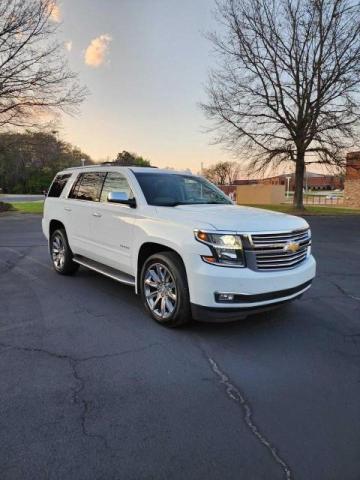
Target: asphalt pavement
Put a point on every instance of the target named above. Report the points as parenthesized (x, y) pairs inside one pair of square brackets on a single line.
[(92, 388)]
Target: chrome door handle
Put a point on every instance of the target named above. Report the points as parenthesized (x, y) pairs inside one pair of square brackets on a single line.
[(68, 209), (96, 214)]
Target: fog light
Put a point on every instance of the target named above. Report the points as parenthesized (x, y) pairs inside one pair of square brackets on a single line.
[(225, 297)]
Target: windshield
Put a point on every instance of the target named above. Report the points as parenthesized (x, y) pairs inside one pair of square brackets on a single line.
[(170, 190)]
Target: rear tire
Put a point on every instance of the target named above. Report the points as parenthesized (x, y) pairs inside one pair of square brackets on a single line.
[(61, 254), (164, 289)]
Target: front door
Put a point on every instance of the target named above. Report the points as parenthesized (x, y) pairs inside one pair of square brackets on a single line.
[(112, 225)]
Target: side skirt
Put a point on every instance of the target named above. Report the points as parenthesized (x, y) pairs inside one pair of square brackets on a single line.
[(105, 270)]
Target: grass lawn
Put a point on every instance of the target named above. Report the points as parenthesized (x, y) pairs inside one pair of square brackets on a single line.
[(310, 210), (28, 207)]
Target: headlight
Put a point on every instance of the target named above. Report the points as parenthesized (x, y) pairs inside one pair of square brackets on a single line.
[(226, 248)]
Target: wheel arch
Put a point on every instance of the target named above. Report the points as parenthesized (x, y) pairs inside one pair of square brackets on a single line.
[(145, 251), (55, 225)]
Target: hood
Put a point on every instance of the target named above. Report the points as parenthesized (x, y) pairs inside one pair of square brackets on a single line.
[(232, 217)]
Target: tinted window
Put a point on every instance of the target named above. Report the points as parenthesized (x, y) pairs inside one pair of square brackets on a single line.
[(58, 185), (174, 189), (75, 187), (115, 182), (88, 186)]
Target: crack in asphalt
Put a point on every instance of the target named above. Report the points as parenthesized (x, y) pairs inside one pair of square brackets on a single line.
[(237, 396), (326, 274), (85, 404), (10, 265), (25, 255), (77, 391), (339, 288), (344, 292)]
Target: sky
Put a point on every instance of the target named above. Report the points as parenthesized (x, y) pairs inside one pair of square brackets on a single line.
[(145, 63)]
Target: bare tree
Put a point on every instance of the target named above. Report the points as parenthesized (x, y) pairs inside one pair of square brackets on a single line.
[(287, 85), (35, 82), (222, 173)]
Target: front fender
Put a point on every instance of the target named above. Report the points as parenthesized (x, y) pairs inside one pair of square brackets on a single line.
[(177, 237)]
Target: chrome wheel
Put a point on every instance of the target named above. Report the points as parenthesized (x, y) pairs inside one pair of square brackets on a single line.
[(160, 290), (58, 252)]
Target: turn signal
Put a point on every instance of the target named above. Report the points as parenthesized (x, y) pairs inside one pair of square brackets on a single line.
[(208, 259), (202, 236)]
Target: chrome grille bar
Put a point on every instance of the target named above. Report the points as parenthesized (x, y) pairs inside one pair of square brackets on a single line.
[(298, 238), (270, 249), (280, 258)]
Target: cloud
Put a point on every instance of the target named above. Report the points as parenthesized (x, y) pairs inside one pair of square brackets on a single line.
[(54, 11), (95, 54), (68, 45)]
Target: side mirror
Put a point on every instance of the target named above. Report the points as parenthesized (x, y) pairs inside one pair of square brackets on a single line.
[(121, 197)]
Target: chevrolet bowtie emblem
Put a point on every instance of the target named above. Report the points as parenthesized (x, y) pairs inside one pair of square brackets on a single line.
[(292, 247)]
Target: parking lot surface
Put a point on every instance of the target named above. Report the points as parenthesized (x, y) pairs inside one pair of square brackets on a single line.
[(92, 388)]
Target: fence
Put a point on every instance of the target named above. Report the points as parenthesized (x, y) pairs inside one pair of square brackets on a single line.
[(324, 199)]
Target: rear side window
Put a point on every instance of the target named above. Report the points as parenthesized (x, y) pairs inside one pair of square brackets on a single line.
[(88, 186), (58, 185)]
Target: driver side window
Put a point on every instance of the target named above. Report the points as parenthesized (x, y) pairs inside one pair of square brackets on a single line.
[(115, 182)]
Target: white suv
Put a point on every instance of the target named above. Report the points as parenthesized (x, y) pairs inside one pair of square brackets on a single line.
[(178, 240)]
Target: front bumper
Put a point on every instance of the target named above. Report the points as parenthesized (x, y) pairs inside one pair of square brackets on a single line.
[(219, 314), (254, 290)]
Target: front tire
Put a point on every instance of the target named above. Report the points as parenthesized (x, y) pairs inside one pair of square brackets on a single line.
[(61, 254), (164, 289)]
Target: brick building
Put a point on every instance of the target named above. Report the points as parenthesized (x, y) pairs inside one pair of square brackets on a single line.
[(312, 181), (352, 180)]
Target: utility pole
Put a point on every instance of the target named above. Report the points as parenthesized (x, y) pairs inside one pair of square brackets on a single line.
[(288, 187)]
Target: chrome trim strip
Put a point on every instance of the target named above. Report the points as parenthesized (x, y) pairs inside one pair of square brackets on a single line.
[(265, 232)]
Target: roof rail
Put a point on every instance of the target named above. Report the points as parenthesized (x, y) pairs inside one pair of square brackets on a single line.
[(108, 164), (77, 167)]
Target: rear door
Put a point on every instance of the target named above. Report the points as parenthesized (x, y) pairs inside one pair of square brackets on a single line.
[(84, 194), (112, 225)]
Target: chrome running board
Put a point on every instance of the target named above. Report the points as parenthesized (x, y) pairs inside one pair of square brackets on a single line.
[(105, 270)]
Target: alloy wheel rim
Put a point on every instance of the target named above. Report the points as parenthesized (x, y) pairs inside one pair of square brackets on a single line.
[(58, 252), (160, 290)]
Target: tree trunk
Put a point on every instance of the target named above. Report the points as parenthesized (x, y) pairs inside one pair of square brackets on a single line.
[(299, 181)]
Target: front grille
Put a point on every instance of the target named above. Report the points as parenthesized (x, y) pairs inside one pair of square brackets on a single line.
[(272, 253)]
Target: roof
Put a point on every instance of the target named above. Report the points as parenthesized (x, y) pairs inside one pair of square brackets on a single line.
[(159, 170)]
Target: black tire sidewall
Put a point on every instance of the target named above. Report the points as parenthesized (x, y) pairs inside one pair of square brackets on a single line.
[(69, 266), (181, 314)]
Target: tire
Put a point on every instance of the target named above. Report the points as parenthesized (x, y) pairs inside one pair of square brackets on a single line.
[(164, 289), (61, 254)]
